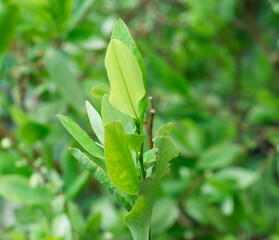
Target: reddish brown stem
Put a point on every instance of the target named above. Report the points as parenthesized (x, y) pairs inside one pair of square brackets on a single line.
[(149, 125)]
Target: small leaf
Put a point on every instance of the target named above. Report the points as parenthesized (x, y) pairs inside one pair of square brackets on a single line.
[(167, 151), (165, 129), (60, 72), (16, 188), (126, 80), (122, 33), (119, 162), (110, 113), (124, 199), (135, 141), (138, 220), (81, 136), (95, 121), (99, 90), (150, 156)]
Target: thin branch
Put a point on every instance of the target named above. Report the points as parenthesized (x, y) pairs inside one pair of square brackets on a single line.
[(149, 125)]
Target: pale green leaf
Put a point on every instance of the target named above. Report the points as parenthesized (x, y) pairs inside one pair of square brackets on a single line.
[(110, 113), (135, 141), (119, 162), (167, 151), (99, 90), (16, 188), (165, 129), (122, 33), (81, 136), (98, 172), (138, 220), (95, 121), (126, 80), (59, 70)]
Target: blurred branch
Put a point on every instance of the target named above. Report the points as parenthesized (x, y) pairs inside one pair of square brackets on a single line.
[(250, 26), (135, 10)]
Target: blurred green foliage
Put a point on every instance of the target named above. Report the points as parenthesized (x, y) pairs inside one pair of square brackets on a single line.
[(212, 67)]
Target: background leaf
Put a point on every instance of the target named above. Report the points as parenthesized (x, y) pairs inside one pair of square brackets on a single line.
[(59, 70), (16, 188), (8, 21)]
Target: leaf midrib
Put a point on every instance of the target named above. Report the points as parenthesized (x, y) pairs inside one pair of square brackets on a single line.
[(125, 84)]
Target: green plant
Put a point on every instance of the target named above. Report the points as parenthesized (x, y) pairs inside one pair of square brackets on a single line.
[(118, 160)]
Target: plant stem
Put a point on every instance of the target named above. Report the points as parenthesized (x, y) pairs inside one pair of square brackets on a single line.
[(149, 125), (143, 173)]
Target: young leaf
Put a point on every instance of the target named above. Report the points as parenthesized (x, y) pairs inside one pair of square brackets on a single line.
[(124, 199), (167, 151), (135, 141), (95, 121), (119, 162), (110, 113), (81, 136), (122, 33), (127, 87), (165, 129), (138, 220)]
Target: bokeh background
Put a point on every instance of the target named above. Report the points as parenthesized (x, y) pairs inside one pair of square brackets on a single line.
[(212, 69)]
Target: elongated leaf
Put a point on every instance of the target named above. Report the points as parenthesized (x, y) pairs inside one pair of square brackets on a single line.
[(60, 72), (8, 20), (138, 220), (124, 199), (95, 121), (127, 87), (167, 151), (165, 129), (99, 90), (81, 136), (122, 33), (135, 141), (110, 113), (16, 188), (119, 162)]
